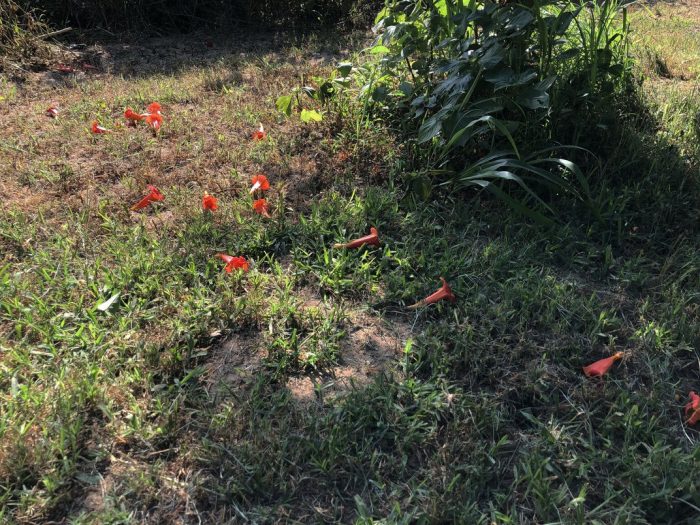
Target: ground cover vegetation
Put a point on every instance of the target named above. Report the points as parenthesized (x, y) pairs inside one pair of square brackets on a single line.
[(541, 157)]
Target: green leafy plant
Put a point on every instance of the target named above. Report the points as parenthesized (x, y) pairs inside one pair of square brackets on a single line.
[(467, 81), (323, 95)]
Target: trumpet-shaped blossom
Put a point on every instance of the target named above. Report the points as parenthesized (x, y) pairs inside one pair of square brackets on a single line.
[(692, 409), (445, 292), (153, 196), (52, 111), (132, 116), (154, 120), (97, 129), (154, 107), (262, 207), (234, 263), (209, 202), (601, 367), (260, 182), (259, 134), (372, 238)]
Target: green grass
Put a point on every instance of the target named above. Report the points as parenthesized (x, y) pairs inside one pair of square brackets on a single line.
[(178, 403)]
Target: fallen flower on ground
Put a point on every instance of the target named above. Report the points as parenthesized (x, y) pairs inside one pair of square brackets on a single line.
[(154, 120), (132, 116), (261, 206), (445, 292), (601, 367), (259, 182), (233, 263), (154, 108), (153, 196), (372, 238), (209, 202), (52, 111), (97, 129), (692, 409), (259, 134)]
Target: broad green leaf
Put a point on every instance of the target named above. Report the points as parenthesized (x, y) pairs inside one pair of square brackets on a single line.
[(311, 115), (284, 104), (379, 50), (430, 129), (505, 77), (519, 20), (344, 69), (534, 98)]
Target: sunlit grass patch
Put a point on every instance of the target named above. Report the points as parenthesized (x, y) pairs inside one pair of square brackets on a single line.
[(666, 39)]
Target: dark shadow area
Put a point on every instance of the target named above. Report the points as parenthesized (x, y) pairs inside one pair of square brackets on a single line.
[(184, 16), (133, 56)]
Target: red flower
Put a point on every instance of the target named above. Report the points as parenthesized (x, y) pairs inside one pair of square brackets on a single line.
[(52, 111), (233, 263), (259, 134), (154, 120), (153, 196), (260, 182), (97, 129), (132, 116), (692, 409), (443, 293), (261, 207), (601, 367), (154, 107), (209, 202), (372, 238)]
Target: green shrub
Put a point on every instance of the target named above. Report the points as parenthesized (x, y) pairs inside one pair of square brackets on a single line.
[(469, 85)]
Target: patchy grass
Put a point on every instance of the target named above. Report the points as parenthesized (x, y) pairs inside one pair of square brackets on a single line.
[(667, 39), (304, 391)]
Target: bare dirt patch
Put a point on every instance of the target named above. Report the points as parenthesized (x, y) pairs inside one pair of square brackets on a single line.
[(372, 347)]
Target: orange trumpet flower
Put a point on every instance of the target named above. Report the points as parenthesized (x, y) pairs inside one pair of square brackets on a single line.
[(260, 182), (52, 111), (154, 120), (445, 292), (209, 202), (154, 108), (692, 409), (259, 134), (153, 196), (132, 116), (233, 263), (601, 367), (261, 207), (372, 238), (99, 130)]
